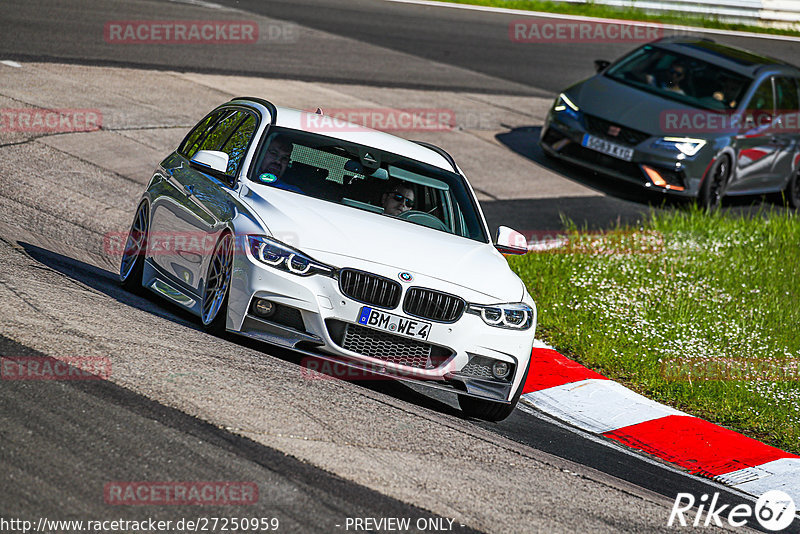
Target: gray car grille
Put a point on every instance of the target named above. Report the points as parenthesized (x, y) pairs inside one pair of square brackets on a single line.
[(433, 305), (601, 127), (387, 347), (370, 288)]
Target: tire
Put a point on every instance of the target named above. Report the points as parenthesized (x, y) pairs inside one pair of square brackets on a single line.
[(132, 263), (791, 194), (214, 311), (713, 187), (490, 410)]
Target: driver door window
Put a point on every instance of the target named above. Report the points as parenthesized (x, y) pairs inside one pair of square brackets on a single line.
[(761, 107)]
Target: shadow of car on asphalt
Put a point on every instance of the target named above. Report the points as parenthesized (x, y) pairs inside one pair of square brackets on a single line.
[(106, 282)]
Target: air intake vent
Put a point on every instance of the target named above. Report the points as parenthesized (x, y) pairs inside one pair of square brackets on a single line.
[(387, 347), (370, 288)]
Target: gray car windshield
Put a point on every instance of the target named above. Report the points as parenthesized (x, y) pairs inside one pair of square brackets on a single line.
[(686, 79), (368, 179)]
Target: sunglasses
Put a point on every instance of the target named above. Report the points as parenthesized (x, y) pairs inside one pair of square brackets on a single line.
[(397, 197)]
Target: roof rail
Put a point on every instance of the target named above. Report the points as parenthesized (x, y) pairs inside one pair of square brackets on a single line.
[(679, 38), (441, 152), (273, 111)]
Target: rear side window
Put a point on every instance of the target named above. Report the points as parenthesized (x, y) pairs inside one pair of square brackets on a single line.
[(236, 145), (228, 131), (786, 93), (762, 100), (192, 142)]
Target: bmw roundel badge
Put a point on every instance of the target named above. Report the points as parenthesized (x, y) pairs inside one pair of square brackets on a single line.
[(406, 277)]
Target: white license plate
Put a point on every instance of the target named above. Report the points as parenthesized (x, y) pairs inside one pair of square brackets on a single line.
[(607, 147), (394, 323)]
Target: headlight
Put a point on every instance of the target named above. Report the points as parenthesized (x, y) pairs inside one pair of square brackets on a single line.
[(276, 254), (563, 103), (514, 316), (684, 145)]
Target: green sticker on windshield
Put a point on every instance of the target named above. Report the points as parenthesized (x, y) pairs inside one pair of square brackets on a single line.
[(267, 177)]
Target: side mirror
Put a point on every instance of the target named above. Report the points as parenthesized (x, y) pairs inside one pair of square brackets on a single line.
[(601, 64), (510, 241), (211, 160)]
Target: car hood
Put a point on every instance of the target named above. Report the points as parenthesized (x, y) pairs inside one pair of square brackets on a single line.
[(347, 236), (622, 104)]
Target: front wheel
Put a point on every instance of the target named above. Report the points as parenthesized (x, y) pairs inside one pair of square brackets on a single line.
[(489, 410), (132, 263), (792, 191), (218, 280), (713, 187)]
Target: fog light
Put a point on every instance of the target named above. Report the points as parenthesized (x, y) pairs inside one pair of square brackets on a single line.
[(263, 307), (500, 369), (654, 176)]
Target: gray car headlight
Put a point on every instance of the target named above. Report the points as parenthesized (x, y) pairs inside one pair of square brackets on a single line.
[(281, 256), (514, 316), (565, 105), (685, 145)]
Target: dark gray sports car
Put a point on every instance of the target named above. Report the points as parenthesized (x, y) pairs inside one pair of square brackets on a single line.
[(685, 116)]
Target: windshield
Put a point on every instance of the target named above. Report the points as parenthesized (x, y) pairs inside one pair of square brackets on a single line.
[(682, 78), (368, 179)]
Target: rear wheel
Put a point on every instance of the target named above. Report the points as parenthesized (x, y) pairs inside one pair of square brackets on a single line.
[(792, 192), (218, 280), (132, 264), (490, 410), (713, 187)]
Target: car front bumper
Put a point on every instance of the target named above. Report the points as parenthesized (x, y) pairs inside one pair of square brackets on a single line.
[(562, 137), (314, 313)]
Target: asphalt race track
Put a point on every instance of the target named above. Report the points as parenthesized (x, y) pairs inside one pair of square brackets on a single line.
[(180, 405)]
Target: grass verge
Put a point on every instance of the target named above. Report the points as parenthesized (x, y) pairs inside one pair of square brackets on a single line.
[(698, 311), (590, 9)]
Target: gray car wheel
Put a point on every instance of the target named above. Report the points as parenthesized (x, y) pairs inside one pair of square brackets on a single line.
[(218, 279), (132, 263), (713, 187)]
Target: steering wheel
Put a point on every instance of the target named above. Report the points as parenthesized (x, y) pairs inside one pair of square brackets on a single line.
[(425, 219)]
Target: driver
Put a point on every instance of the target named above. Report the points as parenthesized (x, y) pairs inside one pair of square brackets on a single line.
[(398, 197), (276, 161), (277, 157)]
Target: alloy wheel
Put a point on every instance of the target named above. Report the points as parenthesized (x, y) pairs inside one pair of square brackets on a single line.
[(136, 244), (717, 183), (218, 279)]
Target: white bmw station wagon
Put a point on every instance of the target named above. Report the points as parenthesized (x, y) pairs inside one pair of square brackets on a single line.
[(346, 244)]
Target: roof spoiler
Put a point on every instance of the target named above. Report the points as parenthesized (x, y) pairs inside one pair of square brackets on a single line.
[(273, 111), (442, 153)]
